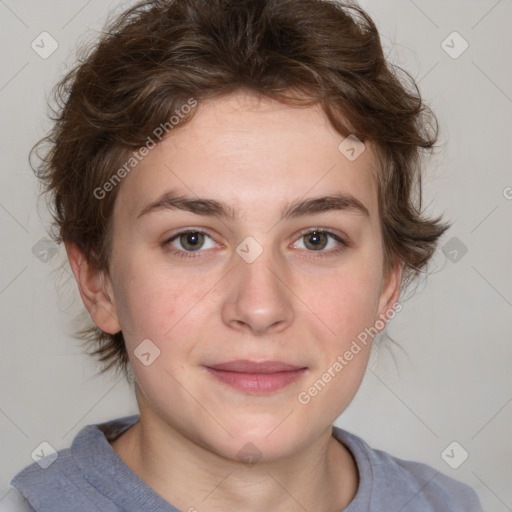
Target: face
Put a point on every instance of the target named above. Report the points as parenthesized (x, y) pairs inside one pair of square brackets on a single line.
[(248, 277)]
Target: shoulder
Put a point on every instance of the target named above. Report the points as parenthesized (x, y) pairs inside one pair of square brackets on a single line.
[(48, 482), (408, 485), (59, 481)]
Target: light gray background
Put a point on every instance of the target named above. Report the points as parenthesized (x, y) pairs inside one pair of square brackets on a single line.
[(454, 384)]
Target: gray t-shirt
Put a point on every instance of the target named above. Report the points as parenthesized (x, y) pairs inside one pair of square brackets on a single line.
[(90, 476)]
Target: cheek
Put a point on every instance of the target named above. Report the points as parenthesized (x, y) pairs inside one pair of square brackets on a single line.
[(348, 304), (348, 307), (158, 302), (346, 301)]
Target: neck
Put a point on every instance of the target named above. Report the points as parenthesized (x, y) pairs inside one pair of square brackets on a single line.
[(322, 476)]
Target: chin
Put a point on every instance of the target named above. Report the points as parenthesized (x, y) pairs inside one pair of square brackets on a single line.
[(264, 440)]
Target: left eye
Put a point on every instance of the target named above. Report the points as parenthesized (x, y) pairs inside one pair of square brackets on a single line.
[(317, 240)]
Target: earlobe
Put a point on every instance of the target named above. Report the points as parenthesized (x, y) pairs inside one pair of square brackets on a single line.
[(93, 286), (390, 293)]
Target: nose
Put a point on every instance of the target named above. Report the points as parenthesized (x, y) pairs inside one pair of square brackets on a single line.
[(258, 299)]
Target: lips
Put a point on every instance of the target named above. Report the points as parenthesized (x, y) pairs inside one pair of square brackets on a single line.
[(256, 378), (246, 366)]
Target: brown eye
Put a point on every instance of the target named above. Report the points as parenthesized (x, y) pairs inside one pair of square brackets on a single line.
[(191, 241), (185, 243), (324, 242), (316, 240)]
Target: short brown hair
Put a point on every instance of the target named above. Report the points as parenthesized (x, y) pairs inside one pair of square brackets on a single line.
[(158, 54)]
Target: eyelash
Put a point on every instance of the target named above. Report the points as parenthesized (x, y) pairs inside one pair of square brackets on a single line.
[(320, 254)]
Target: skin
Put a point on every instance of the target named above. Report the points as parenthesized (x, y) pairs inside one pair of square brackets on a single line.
[(290, 304)]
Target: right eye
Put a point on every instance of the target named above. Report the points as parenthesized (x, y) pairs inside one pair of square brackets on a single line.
[(188, 241)]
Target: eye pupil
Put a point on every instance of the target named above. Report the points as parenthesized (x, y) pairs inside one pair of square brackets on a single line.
[(316, 237), (192, 240)]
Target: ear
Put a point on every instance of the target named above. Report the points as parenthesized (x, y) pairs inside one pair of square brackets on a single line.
[(390, 293), (95, 289)]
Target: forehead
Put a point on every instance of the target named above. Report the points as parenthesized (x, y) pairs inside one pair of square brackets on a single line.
[(249, 151)]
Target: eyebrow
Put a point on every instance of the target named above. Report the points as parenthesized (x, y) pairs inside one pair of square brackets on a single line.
[(295, 209)]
